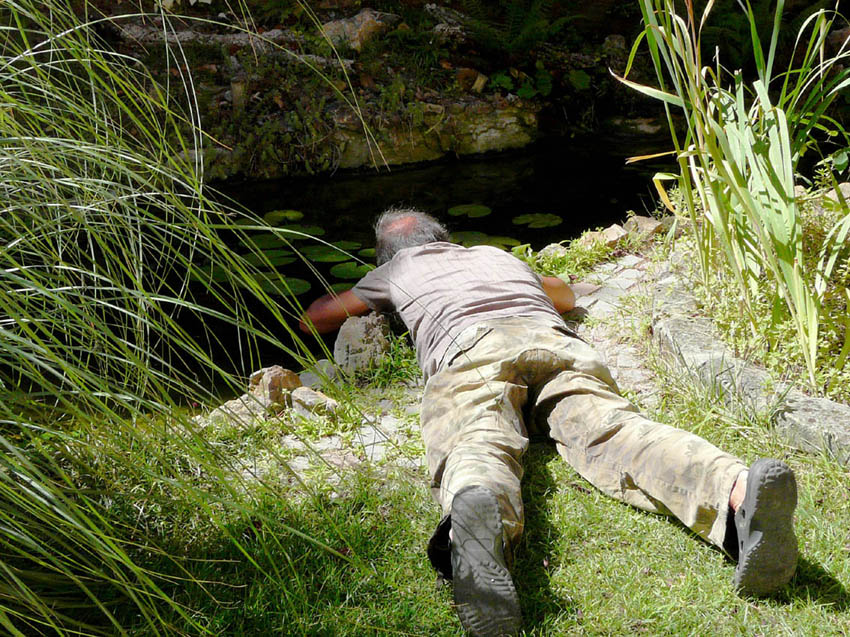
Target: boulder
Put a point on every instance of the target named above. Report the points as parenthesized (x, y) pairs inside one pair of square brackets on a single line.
[(611, 236), (317, 375), (271, 385), (308, 402), (242, 412), (643, 226), (362, 342), (359, 29), (832, 195)]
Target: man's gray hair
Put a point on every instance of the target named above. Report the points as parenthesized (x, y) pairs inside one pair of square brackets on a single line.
[(399, 228)]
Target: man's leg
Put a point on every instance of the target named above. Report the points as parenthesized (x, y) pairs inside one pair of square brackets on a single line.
[(667, 470), (474, 438)]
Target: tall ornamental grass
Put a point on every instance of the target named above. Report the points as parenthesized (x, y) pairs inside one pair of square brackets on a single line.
[(109, 321), (738, 144)]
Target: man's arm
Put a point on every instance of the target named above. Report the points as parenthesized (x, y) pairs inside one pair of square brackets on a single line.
[(328, 312), (560, 293)]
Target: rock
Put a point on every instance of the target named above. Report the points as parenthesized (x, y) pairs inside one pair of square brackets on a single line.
[(480, 83), (611, 236), (800, 192), (361, 343), (243, 411), (643, 226), (466, 78), (322, 372), (271, 385), (359, 29), (844, 188), (553, 251), (308, 402)]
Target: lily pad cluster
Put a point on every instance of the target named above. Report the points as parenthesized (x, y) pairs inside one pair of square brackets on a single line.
[(538, 220), (471, 210), (470, 238)]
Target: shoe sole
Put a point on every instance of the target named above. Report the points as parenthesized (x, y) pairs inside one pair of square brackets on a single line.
[(767, 546), (484, 594)]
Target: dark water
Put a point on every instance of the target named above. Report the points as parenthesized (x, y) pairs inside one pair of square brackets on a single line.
[(585, 182)]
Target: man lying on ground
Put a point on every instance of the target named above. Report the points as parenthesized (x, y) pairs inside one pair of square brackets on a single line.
[(501, 365)]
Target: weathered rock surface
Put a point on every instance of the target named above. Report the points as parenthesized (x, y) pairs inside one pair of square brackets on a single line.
[(362, 342), (324, 371), (610, 236), (309, 402), (272, 384), (359, 29), (643, 226), (467, 126)]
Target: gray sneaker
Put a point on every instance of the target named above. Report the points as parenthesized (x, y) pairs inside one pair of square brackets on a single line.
[(767, 546), (484, 593)]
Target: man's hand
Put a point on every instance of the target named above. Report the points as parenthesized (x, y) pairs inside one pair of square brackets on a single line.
[(328, 312), (560, 293)]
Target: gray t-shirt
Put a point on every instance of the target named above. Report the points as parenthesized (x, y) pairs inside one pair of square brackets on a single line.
[(440, 289)]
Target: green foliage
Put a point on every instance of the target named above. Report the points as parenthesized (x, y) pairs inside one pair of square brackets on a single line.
[(511, 28), (738, 159), (576, 260), (397, 367)]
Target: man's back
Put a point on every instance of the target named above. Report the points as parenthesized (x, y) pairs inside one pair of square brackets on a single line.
[(441, 288)]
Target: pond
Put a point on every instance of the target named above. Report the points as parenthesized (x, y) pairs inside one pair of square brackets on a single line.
[(550, 192)]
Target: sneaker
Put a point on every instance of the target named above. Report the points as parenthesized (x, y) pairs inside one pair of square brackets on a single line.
[(767, 546), (484, 594)]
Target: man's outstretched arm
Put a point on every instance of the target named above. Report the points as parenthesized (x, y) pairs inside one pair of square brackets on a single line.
[(328, 312), (560, 293)]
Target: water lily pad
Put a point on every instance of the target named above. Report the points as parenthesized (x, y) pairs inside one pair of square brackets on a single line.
[(276, 217), (265, 241), (270, 257), (471, 210), (500, 242), (322, 253), (470, 238), (296, 230), (368, 253), (271, 283), (538, 220), (350, 270), (347, 245), (342, 286)]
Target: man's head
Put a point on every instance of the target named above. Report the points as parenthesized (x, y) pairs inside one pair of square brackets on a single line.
[(399, 228)]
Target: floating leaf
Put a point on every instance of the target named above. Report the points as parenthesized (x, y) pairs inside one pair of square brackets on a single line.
[(350, 270), (471, 210), (324, 254), (347, 245), (468, 237), (472, 238), (270, 257), (342, 286), (312, 231), (579, 79), (538, 220), (276, 217), (265, 241), (271, 283), (368, 253), (500, 242)]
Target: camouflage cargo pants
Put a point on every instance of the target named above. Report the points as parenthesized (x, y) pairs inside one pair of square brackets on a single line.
[(475, 432)]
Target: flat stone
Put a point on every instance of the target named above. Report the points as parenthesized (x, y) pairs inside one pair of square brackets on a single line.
[(309, 402), (320, 374), (631, 261), (272, 384), (643, 226)]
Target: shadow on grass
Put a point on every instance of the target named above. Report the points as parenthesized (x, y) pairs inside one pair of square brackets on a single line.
[(813, 582), (531, 570)]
